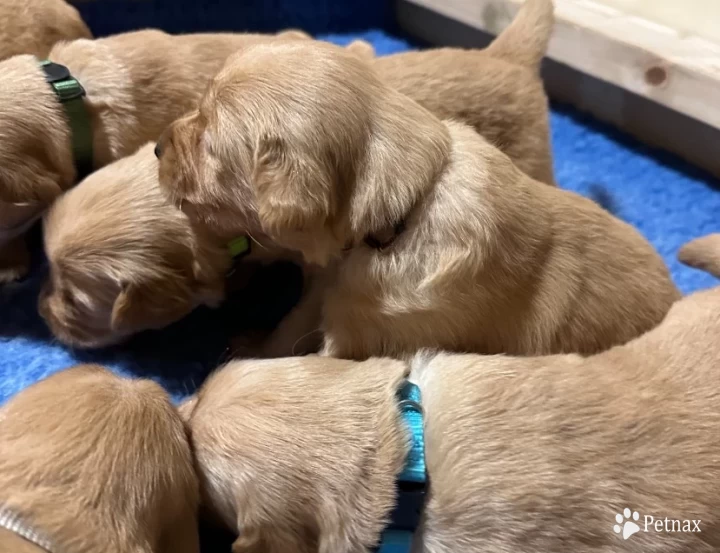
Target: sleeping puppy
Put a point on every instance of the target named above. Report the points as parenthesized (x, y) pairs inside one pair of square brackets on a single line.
[(135, 84), (523, 454), (94, 463), (432, 237), (122, 259), (35, 26)]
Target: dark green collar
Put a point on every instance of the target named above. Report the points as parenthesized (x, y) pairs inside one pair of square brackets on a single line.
[(239, 247), (71, 93)]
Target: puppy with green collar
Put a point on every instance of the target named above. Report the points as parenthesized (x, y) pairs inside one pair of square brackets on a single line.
[(93, 102)]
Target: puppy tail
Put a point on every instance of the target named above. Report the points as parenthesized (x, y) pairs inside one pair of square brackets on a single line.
[(702, 253), (525, 41)]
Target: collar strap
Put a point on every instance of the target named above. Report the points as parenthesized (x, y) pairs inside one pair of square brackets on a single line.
[(413, 481), (70, 93), (14, 523), (239, 247)]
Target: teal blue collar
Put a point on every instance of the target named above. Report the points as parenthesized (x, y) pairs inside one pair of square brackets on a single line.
[(412, 482)]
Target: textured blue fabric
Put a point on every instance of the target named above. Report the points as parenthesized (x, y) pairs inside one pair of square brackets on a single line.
[(667, 200)]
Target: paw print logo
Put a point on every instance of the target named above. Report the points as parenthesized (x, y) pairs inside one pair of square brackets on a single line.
[(625, 524)]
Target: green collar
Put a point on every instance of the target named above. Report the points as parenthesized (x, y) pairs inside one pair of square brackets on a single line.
[(239, 247), (71, 93)]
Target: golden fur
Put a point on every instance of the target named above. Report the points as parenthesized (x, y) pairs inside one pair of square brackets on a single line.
[(122, 259), (98, 464), (497, 90), (136, 83), (35, 26), (455, 83), (524, 454), (703, 253), (303, 146)]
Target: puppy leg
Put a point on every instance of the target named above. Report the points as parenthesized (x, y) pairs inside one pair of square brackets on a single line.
[(299, 332), (14, 260)]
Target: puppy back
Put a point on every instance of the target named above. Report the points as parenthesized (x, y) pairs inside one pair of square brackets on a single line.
[(111, 451)]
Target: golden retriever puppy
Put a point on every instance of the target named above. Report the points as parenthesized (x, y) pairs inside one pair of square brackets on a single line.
[(134, 85), (616, 452), (432, 236), (94, 463), (35, 26), (497, 91), (122, 259)]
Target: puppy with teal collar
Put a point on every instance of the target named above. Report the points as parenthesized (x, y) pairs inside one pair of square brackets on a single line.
[(470, 453)]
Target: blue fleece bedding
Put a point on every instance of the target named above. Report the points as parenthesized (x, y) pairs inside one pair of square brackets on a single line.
[(669, 201)]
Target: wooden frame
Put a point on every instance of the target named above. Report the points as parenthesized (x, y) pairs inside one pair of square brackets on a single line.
[(643, 77)]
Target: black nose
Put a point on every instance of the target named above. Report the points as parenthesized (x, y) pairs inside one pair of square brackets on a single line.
[(158, 150)]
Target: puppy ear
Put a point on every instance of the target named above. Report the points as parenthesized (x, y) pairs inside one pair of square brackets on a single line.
[(295, 195), (155, 304)]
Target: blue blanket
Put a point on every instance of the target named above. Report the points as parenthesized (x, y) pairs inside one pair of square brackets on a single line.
[(669, 201)]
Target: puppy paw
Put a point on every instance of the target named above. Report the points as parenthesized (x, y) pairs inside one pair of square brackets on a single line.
[(11, 274), (14, 261)]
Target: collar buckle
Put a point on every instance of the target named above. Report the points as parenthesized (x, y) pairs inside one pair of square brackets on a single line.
[(70, 93)]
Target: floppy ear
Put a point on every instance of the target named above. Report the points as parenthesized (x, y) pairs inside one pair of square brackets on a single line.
[(296, 199), (152, 304)]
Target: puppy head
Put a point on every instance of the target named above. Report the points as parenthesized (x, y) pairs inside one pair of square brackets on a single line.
[(300, 454), (122, 260), (112, 451), (300, 142)]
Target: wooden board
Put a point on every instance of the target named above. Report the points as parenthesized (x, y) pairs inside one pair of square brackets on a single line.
[(623, 69)]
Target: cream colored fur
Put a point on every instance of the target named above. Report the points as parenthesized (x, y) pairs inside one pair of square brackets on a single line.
[(524, 454), (35, 26), (301, 145), (136, 84), (98, 464), (122, 259)]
